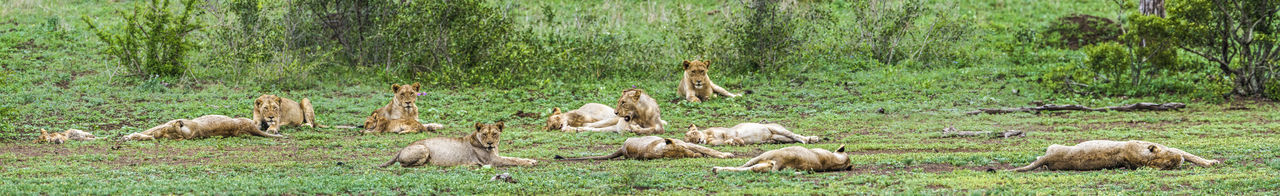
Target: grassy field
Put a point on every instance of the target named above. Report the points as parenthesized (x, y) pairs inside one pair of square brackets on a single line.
[(59, 80)]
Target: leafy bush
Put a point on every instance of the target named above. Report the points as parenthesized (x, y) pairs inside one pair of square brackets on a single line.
[(894, 31), (764, 35), (254, 43), (1080, 30), (152, 40)]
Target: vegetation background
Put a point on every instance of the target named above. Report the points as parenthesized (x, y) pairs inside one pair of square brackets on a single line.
[(818, 67)]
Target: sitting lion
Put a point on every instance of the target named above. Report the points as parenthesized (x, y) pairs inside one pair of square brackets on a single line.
[(795, 157), (61, 137), (478, 148), (202, 127), (271, 112), (746, 133), (696, 86), (636, 111), (654, 147), (1106, 154), (591, 112), (375, 124)]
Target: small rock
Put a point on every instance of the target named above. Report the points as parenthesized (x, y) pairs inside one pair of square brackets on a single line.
[(881, 110), (505, 177)]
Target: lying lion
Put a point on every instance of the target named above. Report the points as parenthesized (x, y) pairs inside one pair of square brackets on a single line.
[(271, 112), (61, 137), (636, 111), (654, 147), (746, 133), (1105, 154), (202, 127), (478, 148), (795, 157), (375, 124), (696, 86), (591, 112)]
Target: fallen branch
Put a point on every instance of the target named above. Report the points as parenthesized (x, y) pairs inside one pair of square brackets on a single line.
[(953, 132), (1052, 107)]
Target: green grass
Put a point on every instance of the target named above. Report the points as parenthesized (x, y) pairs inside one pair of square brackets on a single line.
[(61, 80)]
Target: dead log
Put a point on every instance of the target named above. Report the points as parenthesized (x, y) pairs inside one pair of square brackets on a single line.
[(953, 132), (1052, 107)]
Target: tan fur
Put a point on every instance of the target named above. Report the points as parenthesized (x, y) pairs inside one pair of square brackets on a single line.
[(589, 113), (1105, 154), (745, 133), (375, 124), (636, 111), (696, 86), (795, 157), (478, 148), (654, 147), (61, 137), (202, 127), (400, 115), (271, 112)]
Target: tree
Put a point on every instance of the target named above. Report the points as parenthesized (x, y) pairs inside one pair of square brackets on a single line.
[(1238, 36)]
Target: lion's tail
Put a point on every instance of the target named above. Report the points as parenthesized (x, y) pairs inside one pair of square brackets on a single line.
[(391, 162), (615, 154)]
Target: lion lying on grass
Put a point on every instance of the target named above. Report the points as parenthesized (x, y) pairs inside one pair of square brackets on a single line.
[(636, 111), (375, 124), (478, 148), (696, 86), (1105, 154), (400, 115), (202, 127), (61, 137), (795, 157), (271, 112), (591, 112), (654, 147), (746, 133)]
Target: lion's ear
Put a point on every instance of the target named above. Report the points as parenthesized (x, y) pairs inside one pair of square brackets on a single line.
[(499, 124), (179, 123), (257, 103), (277, 99), (555, 111), (43, 132), (478, 126), (841, 149), (416, 86), (395, 87), (685, 64), (668, 140), (1152, 148)]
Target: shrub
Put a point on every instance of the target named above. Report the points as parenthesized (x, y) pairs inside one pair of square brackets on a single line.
[(253, 43), (153, 40), (1080, 30), (764, 35), (894, 31)]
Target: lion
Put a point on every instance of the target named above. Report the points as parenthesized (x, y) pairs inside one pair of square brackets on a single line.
[(695, 86), (795, 157), (636, 111), (591, 112), (403, 103), (746, 133), (1106, 154), (202, 127), (654, 147), (375, 124), (61, 137), (272, 111), (478, 148)]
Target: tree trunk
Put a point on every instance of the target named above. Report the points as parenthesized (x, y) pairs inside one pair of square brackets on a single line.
[(1151, 7)]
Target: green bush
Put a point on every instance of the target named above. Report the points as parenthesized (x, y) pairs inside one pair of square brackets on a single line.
[(895, 31), (253, 43), (1080, 30), (153, 40), (1108, 59), (764, 36)]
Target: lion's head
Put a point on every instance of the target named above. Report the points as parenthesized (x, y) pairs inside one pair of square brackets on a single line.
[(406, 96), (555, 120), (695, 136), (55, 137), (486, 135), (674, 149), (629, 103), (840, 159), (373, 121), (696, 72), (267, 111), (1162, 158)]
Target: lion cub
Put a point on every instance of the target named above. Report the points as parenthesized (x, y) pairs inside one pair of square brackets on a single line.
[(636, 112), (696, 86), (591, 112), (654, 147), (202, 127), (271, 112), (61, 137), (795, 157), (375, 124), (746, 133), (478, 148), (1106, 154)]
